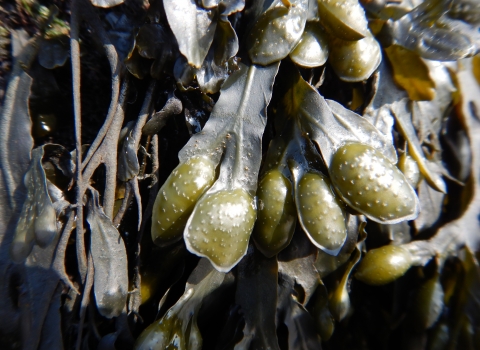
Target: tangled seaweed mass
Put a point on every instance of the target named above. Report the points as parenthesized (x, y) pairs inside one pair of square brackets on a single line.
[(325, 193)]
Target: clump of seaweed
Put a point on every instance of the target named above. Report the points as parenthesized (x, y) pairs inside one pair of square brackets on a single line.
[(326, 185)]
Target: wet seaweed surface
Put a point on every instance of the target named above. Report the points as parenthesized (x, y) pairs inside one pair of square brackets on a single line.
[(272, 174)]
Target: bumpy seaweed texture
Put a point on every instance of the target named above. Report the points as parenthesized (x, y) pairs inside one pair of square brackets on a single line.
[(277, 158)]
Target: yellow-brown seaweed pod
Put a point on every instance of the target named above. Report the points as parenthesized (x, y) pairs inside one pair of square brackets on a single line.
[(384, 265), (177, 197), (344, 18), (320, 213), (312, 49), (276, 215), (176, 330), (369, 183), (220, 227), (354, 61), (276, 32), (409, 167)]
